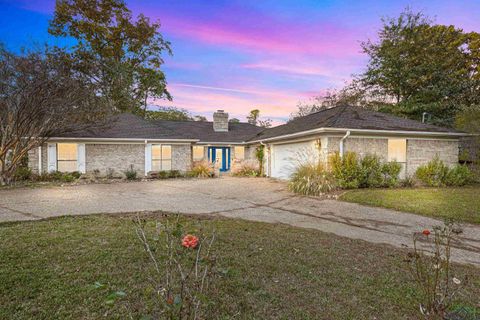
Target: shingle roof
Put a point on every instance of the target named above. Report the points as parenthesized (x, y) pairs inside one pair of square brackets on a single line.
[(129, 126), (203, 130), (348, 117)]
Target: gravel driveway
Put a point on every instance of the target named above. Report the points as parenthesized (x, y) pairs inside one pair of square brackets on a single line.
[(246, 198)]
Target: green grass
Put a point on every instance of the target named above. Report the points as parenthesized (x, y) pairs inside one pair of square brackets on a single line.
[(460, 204), (48, 269)]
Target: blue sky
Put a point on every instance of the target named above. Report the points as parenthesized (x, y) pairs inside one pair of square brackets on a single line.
[(240, 55)]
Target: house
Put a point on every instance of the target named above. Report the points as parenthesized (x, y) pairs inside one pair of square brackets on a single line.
[(175, 145)]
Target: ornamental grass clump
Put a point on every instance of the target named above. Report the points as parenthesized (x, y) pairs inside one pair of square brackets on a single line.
[(183, 269), (431, 269), (202, 169), (311, 179), (247, 169)]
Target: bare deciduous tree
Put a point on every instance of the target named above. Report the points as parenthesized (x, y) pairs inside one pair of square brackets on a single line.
[(40, 97)]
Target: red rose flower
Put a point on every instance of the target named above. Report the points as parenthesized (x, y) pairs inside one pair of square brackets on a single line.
[(426, 232), (190, 241)]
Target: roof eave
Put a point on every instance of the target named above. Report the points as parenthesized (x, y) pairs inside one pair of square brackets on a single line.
[(334, 130), (123, 139)]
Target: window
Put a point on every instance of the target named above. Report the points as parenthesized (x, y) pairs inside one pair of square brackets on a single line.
[(198, 152), (239, 153), (67, 157), (397, 150), (161, 157)]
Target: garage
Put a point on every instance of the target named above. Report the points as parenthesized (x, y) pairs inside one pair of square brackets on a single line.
[(285, 158)]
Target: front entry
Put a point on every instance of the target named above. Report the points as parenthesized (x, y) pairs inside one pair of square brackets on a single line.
[(221, 155)]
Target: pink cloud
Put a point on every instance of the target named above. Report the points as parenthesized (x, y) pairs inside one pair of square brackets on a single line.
[(300, 39), (205, 100)]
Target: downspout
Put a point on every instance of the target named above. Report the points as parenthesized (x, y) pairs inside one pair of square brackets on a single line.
[(341, 143)]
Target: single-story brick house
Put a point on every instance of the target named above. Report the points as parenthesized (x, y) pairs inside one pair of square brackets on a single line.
[(175, 145)]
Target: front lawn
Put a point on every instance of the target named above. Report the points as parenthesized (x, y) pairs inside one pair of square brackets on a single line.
[(48, 270), (460, 204)]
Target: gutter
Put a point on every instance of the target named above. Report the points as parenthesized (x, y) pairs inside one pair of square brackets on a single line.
[(334, 130), (124, 139)]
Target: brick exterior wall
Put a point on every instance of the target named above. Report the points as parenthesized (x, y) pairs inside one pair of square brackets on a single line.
[(420, 152), (250, 152), (117, 157), (182, 157), (364, 146), (361, 146), (33, 159)]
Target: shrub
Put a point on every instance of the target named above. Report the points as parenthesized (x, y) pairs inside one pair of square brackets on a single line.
[(202, 169), (175, 174), (458, 176), (247, 169), (390, 171), (67, 177), (437, 174), (346, 170), (22, 173), (163, 175), (408, 182), (371, 173), (75, 174), (312, 180), (130, 173), (433, 174)]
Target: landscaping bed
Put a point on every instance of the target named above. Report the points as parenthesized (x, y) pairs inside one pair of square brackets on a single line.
[(460, 204), (53, 268)]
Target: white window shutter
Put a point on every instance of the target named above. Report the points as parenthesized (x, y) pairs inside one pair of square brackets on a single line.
[(148, 158), (52, 157), (81, 158)]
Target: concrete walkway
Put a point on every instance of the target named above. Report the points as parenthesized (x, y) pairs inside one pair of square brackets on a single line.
[(252, 199)]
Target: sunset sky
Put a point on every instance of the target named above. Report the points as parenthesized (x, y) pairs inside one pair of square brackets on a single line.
[(240, 55)]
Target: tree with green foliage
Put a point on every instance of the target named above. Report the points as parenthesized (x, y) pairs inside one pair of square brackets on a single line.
[(169, 113), (423, 67), (122, 55), (234, 120), (200, 118), (254, 118)]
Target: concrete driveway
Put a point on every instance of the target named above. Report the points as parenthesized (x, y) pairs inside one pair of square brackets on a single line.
[(245, 198)]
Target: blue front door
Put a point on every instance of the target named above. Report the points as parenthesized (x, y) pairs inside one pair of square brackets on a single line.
[(220, 155)]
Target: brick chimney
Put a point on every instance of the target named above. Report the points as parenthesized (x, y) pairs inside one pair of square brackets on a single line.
[(220, 121)]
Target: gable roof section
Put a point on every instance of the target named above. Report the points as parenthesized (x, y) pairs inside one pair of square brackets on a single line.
[(203, 130), (347, 117), (128, 126)]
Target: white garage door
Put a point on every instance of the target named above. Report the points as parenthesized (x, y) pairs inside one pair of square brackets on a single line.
[(286, 157)]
